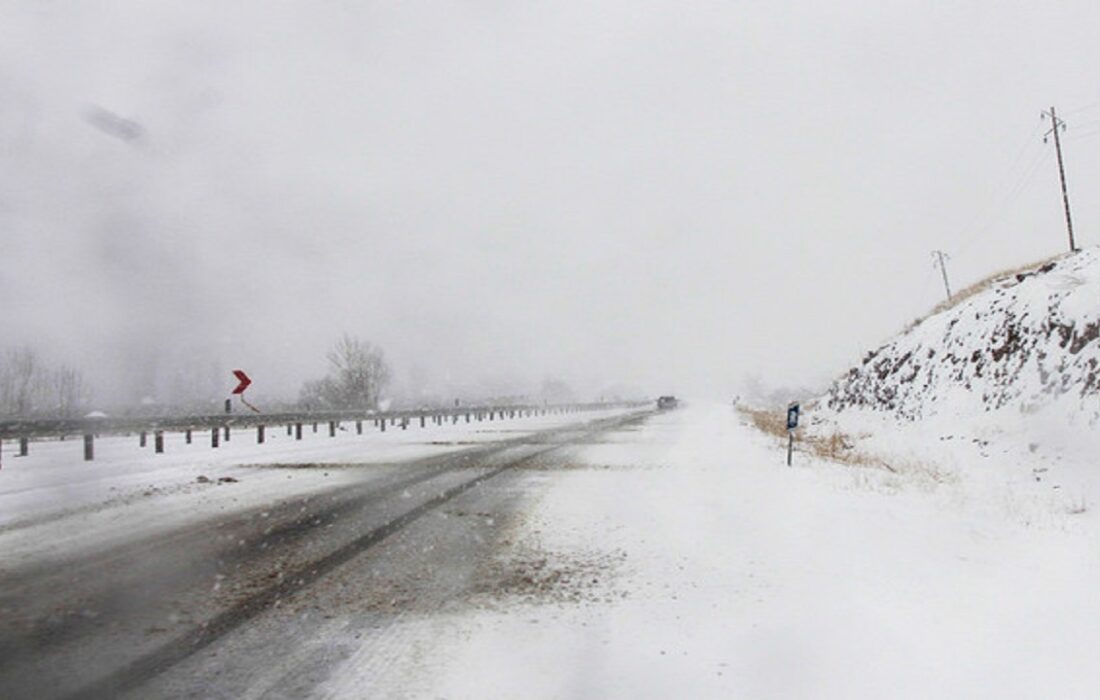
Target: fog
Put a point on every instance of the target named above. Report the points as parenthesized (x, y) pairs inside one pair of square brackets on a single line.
[(660, 197)]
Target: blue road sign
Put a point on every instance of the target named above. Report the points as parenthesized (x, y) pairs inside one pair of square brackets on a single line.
[(792, 416)]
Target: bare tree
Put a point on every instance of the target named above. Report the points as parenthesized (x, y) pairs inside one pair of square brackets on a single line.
[(358, 374), (69, 391), (28, 387), (21, 382)]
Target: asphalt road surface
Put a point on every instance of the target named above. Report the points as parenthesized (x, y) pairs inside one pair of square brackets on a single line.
[(246, 604)]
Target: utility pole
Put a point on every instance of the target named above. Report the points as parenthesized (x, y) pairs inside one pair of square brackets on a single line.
[(940, 256), (1057, 125)]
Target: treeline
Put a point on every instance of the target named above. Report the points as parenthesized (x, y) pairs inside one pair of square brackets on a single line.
[(31, 387), (358, 374), (358, 378)]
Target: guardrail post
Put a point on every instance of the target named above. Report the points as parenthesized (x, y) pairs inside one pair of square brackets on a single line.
[(405, 423), (227, 433), (89, 447), (314, 426), (214, 436), (358, 427), (467, 416), (332, 428), (142, 439), (382, 424), (297, 431), (454, 419), (24, 447), (421, 420), (187, 436), (289, 429), (158, 442), (260, 434)]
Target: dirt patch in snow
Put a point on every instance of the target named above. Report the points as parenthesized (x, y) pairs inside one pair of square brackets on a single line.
[(531, 575), (568, 465), (327, 466)]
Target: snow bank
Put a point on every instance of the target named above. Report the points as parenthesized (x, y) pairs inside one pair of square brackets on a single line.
[(1001, 391), (1028, 342)]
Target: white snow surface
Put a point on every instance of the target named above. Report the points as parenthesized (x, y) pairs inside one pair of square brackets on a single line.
[(1002, 388), (728, 574), (1027, 344)]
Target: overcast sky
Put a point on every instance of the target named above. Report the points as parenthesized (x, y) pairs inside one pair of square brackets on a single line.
[(666, 195)]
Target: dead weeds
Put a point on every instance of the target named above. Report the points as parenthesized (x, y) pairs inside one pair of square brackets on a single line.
[(839, 447)]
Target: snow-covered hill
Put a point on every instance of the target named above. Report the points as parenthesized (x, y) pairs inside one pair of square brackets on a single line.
[(998, 392), (1028, 342)]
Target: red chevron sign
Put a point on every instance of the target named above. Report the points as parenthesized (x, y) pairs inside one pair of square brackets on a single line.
[(245, 381)]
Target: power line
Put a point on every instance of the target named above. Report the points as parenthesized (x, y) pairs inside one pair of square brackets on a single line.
[(1077, 135), (1056, 126), (1087, 125), (939, 257), (995, 213), (997, 203), (1086, 108)]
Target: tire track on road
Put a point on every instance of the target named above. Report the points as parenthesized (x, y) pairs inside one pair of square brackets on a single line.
[(135, 673)]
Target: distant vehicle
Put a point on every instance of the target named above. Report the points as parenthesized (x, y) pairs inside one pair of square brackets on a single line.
[(667, 403)]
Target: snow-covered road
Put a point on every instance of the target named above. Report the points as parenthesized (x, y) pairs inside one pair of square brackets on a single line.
[(690, 562), (669, 556), (149, 592)]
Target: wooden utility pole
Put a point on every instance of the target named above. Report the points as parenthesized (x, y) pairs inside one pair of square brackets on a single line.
[(940, 256), (1057, 125)]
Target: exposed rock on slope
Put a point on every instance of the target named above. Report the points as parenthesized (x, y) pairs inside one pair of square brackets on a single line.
[(1028, 340)]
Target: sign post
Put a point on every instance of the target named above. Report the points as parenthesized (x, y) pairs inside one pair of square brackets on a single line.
[(245, 381), (792, 423)]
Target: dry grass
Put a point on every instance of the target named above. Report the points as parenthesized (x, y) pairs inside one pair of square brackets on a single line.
[(767, 421), (836, 447), (982, 285), (840, 448)]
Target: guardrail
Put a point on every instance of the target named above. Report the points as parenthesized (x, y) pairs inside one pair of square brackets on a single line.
[(220, 426)]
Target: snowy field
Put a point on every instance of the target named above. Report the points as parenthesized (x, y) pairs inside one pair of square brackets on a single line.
[(716, 571)]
